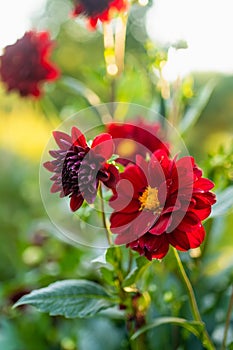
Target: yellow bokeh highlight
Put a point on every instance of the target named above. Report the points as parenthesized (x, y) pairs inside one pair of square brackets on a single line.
[(24, 130)]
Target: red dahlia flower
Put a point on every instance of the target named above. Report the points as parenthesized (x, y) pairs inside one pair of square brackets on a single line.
[(78, 168), (25, 64), (161, 202), (134, 138), (98, 9)]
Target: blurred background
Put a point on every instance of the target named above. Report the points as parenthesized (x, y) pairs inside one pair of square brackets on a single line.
[(179, 62)]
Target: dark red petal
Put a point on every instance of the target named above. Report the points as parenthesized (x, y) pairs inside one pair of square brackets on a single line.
[(203, 185), (136, 228), (63, 140), (49, 166), (121, 221), (136, 177), (143, 166), (202, 213), (78, 139), (179, 240), (158, 246), (161, 225), (125, 204), (55, 188), (187, 240), (156, 173), (143, 223), (113, 177), (103, 146), (196, 237), (189, 221), (204, 199), (124, 191), (185, 162), (76, 202)]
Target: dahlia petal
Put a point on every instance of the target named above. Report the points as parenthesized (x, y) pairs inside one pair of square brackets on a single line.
[(202, 213), (189, 221), (202, 200), (156, 173), (143, 166), (202, 185), (179, 240), (161, 225), (120, 220), (135, 228), (76, 202), (124, 204), (90, 194), (78, 139), (196, 237), (63, 140), (49, 166), (187, 240), (125, 191), (154, 246), (103, 145), (162, 247), (142, 223), (186, 162), (92, 22), (113, 176), (136, 177), (55, 188)]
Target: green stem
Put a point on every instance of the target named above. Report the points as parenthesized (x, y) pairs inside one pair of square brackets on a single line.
[(228, 319), (104, 220), (138, 343), (206, 341), (130, 261)]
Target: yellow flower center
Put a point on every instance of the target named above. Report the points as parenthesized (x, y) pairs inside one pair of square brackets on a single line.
[(126, 148), (149, 199)]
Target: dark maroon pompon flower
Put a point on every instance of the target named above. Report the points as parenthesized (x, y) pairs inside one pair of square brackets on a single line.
[(136, 137), (99, 9), (78, 168), (161, 202), (25, 64)]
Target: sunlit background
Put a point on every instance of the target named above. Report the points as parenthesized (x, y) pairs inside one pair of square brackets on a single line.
[(206, 26), (195, 82)]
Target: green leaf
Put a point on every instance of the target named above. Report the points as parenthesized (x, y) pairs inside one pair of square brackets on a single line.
[(89, 95), (224, 203), (108, 276), (136, 273), (69, 298), (192, 326), (195, 111)]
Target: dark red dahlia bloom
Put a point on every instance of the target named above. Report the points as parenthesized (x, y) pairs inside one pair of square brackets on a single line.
[(161, 202), (99, 9), (78, 168), (134, 138), (25, 64)]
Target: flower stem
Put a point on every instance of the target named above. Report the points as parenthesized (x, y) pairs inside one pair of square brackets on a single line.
[(120, 37), (114, 46), (206, 341), (109, 50), (104, 220), (228, 319)]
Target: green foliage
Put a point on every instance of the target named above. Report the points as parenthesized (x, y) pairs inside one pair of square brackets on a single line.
[(192, 326), (70, 298), (142, 291), (224, 202), (195, 110)]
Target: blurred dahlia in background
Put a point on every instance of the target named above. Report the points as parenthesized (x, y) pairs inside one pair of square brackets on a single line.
[(99, 10), (26, 64), (136, 137)]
